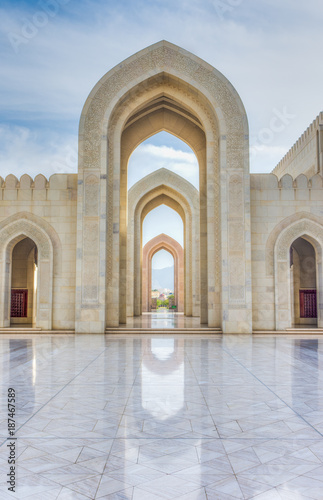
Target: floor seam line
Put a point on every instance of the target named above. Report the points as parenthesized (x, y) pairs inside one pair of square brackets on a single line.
[(68, 383), (269, 389)]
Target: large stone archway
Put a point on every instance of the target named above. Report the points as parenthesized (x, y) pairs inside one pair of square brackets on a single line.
[(312, 232), (163, 242), (11, 233), (163, 77)]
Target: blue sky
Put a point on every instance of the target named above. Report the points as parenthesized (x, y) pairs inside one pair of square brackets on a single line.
[(52, 52)]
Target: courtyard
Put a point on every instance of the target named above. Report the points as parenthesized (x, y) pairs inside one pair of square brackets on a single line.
[(152, 417)]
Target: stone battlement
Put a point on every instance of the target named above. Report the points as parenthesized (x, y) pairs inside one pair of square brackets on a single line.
[(58, 186), (306, 155)]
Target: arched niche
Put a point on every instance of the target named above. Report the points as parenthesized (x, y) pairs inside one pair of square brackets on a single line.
[(163, 242), (313, 233), (11, 234), (24, 267), (196, 96)]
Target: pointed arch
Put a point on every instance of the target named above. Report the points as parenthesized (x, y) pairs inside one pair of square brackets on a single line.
[(11, 232), (313, 232), (164, 187), (156, 87), (163, 242)]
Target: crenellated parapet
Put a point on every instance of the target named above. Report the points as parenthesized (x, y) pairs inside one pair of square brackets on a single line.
[(266, 182), (57, 187), (306, 155)]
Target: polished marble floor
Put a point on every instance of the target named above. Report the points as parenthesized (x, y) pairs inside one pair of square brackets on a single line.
[(164, 318), (156, 417)]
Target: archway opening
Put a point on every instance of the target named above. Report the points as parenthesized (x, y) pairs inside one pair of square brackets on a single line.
[(158, 234), (163, 219), (174, 139), (163, 150), (163, 295), (23, 291), (303, 283)]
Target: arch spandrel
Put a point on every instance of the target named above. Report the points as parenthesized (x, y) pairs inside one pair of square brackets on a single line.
[(161, 58)]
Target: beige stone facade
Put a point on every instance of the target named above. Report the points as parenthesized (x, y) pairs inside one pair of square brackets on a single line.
[(253, 243)]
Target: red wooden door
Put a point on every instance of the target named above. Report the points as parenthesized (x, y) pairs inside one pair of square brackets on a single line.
[(307, 303), (19, 302)]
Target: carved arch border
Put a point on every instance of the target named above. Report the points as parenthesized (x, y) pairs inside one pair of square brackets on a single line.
[(313, 233), (10, 234), (47, 228), (278, 229), (163, 242)]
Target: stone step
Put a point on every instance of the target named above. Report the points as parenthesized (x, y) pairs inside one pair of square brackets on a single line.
[(291, 331), (199, 331), (32, 330)]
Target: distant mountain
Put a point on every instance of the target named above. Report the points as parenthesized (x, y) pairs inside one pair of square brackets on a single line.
[(163, 278)]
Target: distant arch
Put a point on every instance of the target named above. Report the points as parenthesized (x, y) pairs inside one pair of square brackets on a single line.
[(164, 187), (163, 242)]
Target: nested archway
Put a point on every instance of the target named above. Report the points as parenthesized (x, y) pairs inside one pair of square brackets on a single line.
[(313, 233), (163, 88), (11, 233), (163, 242), (164, 187)]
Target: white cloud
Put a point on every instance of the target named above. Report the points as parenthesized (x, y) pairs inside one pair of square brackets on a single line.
[(148, 158), (264, 158), (269, 50), (23, 151)]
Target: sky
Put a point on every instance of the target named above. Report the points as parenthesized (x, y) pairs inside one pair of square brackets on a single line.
[(52, 53)]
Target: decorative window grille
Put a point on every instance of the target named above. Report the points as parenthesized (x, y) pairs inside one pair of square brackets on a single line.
[(307, 302), (19, 302)]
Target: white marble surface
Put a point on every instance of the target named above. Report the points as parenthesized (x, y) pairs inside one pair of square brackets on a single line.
[(155, 417)]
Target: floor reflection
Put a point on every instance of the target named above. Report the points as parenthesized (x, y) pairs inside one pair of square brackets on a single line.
[(151, 417), (164, 319), (163, 377)]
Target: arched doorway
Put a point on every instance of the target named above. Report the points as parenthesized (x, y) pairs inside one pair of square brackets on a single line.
[(25, 236), (303, 283), (23, 297), (164, 88), (167, 243), (301, 242)]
